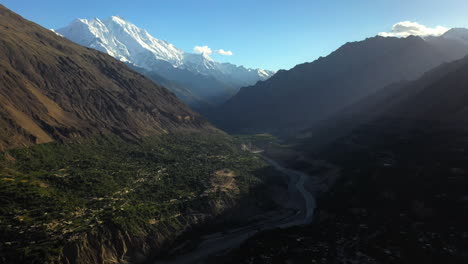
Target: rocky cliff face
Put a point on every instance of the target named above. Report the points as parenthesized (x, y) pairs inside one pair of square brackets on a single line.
[(52, 89), (122, 246)]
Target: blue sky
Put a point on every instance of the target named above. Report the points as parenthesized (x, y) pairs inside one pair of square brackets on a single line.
[(270, 34)]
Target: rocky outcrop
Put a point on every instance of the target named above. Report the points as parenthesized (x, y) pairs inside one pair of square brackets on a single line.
[(115, 245)]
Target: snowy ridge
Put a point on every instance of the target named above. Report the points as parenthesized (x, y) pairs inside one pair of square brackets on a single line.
[(128, 43), (121, 40)]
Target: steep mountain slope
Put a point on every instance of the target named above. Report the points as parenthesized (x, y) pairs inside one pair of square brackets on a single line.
[(401, 199), (122, 40), (183, 93), (402, 195), (440, 96), (53, 89), (204, 88), (374, 106), (311, 92), (460, 34), (208, 79), (149, 170)]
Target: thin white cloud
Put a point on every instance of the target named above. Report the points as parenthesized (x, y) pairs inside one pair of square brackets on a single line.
[(224, 52), (408, 28), (208, 51), (202, 50)]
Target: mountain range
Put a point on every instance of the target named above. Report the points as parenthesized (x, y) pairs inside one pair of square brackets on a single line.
[(53, 89), (309, 93), (85, 140), (207, 80), (102, 160), (402, 155)]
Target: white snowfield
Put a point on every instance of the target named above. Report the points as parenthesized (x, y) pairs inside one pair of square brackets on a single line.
[(128, 43)]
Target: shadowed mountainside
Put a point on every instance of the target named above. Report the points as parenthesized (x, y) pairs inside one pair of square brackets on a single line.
[(439, 96), (311, 92), (401, 197)]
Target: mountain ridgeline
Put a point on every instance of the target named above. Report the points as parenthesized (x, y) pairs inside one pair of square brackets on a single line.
[(102, 161), (299, 98), (439, 96), (401, 195), (99, 164), (209, 82), (53, 89), (402, 155)]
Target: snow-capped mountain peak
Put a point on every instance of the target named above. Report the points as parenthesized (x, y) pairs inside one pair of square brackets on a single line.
[(122, 40), (263, 73), (125, 41)]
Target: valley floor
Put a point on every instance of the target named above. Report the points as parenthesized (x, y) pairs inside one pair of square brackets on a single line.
[(106, 199), (399, 200), (295, 210)]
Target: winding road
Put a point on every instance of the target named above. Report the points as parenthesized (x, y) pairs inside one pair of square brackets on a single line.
[(299, 210)]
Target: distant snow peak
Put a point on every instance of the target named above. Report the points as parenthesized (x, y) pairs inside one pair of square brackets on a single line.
[(263, 73), (58, 34), (121, 39), (119, 20), (129, 43)]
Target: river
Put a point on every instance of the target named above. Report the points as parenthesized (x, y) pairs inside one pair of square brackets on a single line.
[(302, 205)]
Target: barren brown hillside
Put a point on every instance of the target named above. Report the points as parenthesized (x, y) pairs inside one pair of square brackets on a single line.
[(53, 89)]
